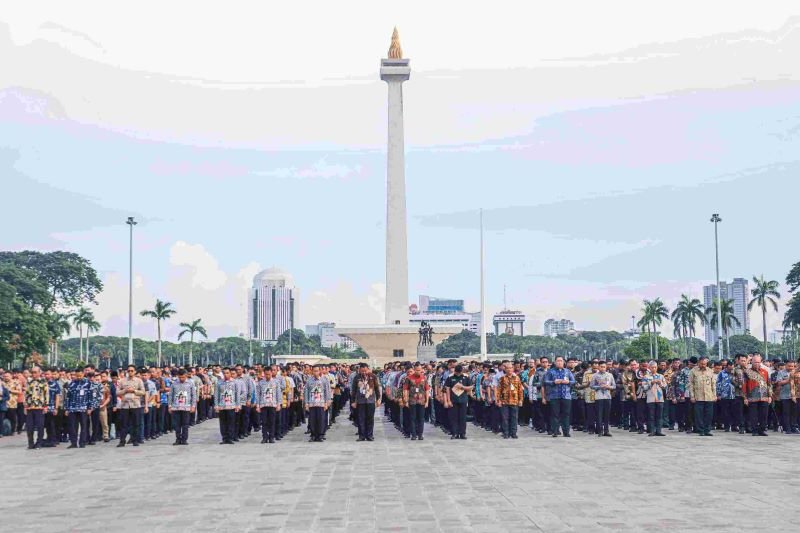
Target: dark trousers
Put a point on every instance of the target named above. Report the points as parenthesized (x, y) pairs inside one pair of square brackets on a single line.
[(591, 416), (406, 420), (227, 424), (655, 416), (11, 416), (50, 425), (737, 413), (603, 415), (34, 422), (703, 416), (496, 418), (180, 420), (559, 415), (267, 423), (628, 414), (2, 421), (78, 423), (458, 419), (726, 408), (365, 414), (789, 414), (510, 414), (317, 421), (759, 413), (681, 409), (417, 412), (129, 420), (96, 433), (537, 416), (20, 417), (616, 410), (525, 413), (163, 416), (641, 413)]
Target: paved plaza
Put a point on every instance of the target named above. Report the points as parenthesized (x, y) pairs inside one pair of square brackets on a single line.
[(628, 483)]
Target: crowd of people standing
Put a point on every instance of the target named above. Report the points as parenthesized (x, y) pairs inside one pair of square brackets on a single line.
[(555, 397)]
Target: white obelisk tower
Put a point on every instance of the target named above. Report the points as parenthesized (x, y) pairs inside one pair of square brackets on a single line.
[(394, 71)]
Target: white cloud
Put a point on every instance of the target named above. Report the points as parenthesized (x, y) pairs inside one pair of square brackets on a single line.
[(321, 169), (201, 266)]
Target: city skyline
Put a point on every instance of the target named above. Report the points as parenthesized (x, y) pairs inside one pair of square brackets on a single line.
[(511, 125)]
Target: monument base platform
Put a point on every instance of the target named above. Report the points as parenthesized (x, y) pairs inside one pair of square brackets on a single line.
[(426, 354), (394, 342)]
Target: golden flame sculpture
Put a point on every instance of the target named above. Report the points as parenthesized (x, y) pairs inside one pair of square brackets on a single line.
[(395, 51)]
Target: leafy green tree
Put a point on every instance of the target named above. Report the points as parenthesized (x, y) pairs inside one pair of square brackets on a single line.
[(764, 295), (729, 319), (641, 349), (69, 278), (162, 311), (653, 314), (741, 344), (793, 278), (192, 328)]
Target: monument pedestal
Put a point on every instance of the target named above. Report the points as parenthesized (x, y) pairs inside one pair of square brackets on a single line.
[(394, 342), (426, 354)]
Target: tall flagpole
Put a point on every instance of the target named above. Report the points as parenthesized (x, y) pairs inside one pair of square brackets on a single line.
[(484, 351)]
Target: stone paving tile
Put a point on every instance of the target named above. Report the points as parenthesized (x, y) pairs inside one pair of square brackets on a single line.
[(483, 484)]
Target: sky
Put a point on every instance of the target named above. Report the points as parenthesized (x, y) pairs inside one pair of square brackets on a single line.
[(598, 138)]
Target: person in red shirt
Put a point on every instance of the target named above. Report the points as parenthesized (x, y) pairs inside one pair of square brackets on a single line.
[(415, 396), (757, 396)]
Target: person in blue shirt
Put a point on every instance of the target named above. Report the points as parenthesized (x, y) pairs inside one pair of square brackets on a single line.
[(78, 410), (558, 382), (54, 404)]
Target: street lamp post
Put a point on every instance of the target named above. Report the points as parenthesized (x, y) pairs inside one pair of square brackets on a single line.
[(130, 222), (715, 218)]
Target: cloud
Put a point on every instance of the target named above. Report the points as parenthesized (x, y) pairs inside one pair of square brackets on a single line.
[(320, 169), (200, 266)]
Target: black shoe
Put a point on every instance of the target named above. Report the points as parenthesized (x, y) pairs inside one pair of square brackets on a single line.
[(660, 435), (135, 443), (567, 435), (453, 437), (420, 438), (176, 443), (762, 434), (606, 434), (709, 434), (81, 446), (105, 440), (263, 441), (370, 439), (361, 439), (90, 443), (120, 445), (506, 436), (414, 437), (554, 435), (71, 446), (514, 437)]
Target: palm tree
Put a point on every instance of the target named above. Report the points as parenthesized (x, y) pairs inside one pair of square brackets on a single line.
[(162, 311), (646, 320), (728, 321), (191, 329), (79, 319), (791, 320), (764, 293), (684, 317)]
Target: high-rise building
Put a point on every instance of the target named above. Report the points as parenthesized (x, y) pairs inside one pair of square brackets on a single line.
[(738, 290), (328, 338), (554, 328), (271, 303)]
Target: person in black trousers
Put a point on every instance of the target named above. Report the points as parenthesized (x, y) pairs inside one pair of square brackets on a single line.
[(182, 402), (456, 389), (415, 396), (366, 394)]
